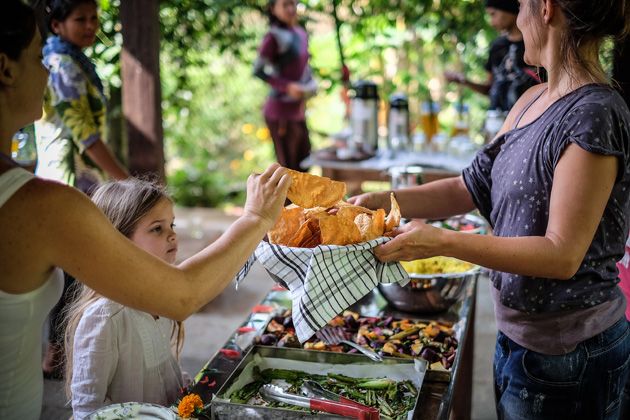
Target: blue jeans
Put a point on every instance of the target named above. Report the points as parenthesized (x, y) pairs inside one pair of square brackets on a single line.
[(586, 383)]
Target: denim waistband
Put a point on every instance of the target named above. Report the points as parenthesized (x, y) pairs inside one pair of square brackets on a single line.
[(608, 337)]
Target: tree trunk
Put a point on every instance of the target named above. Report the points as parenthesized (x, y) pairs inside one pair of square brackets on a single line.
[(141, 95)]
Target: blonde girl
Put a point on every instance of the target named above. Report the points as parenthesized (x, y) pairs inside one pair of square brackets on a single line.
[(116, 353)]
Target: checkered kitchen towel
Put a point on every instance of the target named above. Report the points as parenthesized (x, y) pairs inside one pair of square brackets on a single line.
[(325, 280)]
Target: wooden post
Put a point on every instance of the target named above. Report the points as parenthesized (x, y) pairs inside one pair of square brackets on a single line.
[(141, 93)]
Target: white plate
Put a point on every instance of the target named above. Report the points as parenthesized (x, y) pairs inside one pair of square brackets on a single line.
[(132, 410)]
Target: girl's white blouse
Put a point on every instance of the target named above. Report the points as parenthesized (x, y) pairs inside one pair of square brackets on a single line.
[(121, 354)]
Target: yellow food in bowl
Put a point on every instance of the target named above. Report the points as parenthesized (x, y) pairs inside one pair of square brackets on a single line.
[(436, 265)]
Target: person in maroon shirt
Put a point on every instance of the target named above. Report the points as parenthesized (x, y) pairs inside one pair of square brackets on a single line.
[(283, 63)]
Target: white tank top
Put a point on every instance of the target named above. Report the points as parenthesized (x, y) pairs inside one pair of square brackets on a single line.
[(22, 319)]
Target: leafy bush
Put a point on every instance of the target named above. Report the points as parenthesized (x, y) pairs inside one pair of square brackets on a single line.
[(214, 132)]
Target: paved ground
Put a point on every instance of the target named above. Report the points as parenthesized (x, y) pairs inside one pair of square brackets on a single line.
[(210, 327)]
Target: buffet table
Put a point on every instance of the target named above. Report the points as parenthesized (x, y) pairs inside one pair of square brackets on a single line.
[(444, 394)]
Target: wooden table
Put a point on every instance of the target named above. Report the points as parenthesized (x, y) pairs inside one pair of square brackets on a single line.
[(354, 173)]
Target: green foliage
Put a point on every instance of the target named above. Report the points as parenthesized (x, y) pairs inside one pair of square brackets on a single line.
[(214, 132), (106, 51), (213, 127), (193, 186)]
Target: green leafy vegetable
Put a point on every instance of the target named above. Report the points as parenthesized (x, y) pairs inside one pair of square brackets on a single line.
[(393, 399)]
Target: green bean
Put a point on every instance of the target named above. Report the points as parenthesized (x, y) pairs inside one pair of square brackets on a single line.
[(343, 378), (382, 383), (410, 387)]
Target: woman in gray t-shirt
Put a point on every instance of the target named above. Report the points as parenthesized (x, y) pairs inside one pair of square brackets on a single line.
[(554, 185)]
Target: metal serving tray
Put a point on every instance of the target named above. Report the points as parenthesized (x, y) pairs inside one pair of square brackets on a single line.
[(311, 362), (263, 321)]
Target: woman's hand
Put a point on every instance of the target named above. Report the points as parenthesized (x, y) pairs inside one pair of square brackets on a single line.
[(266, 194), (373, 201), (412, 241)]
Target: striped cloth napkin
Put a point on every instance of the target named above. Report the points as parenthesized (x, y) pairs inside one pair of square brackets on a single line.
[(325, 280)]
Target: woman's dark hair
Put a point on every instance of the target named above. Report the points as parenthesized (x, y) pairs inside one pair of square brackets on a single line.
[(17, 28), (589, 23), (59, 10)]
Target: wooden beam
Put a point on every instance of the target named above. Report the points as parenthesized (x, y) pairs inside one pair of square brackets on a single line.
[(141, 93)]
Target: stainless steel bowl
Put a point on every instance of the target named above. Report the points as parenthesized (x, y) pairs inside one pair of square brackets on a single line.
[(428, 293)]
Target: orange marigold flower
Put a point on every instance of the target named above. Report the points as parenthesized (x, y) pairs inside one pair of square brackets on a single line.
[(188, 405)]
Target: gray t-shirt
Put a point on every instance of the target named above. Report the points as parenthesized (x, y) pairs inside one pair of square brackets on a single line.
[(510, 182)]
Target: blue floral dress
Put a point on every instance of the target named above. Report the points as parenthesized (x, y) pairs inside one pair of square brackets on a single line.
[(73, 119)]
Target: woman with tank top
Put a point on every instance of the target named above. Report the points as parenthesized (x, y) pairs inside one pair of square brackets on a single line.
[(554, 186), (21, 318), (45, 225)]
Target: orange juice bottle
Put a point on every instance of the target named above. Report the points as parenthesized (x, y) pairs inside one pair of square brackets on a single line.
[(429, 119)]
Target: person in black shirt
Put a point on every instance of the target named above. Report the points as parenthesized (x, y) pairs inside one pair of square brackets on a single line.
[(508, 75)]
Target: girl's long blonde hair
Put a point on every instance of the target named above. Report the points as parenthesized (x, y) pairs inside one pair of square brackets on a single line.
[(124, 203)]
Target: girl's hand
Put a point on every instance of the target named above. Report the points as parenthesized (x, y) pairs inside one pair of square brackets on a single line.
[(373, 201), (295, 91), (266, 194), (412, 241)]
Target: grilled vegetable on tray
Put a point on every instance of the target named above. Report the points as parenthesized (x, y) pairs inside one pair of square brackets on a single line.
[(431, 340)]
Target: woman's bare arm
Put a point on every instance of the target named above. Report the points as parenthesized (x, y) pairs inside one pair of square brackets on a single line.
[(434, 200), (62, 228), (580, 177)]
